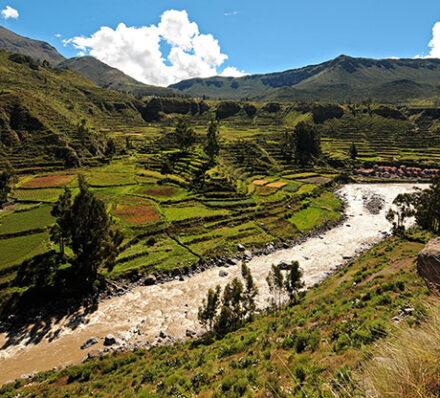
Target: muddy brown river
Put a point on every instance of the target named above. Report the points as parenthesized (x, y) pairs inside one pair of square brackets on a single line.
[(138, 317)]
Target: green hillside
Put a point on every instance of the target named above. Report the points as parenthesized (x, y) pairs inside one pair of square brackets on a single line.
[(342, 79)]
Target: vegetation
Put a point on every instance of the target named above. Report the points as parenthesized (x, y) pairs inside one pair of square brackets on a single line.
[(312, 348)]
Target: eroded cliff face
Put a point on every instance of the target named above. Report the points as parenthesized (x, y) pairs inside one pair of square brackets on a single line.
[(428, 265)]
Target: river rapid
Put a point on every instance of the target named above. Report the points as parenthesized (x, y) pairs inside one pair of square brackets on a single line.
[(163, 313)]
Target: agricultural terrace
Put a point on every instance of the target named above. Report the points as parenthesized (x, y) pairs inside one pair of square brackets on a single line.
[(167, 223)]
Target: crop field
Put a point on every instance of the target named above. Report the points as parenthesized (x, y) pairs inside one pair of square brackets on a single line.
[(184, 225), (20, 221), (136, 214), (48, 181)]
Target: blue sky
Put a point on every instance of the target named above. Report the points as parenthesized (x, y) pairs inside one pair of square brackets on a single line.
[(256, 36)]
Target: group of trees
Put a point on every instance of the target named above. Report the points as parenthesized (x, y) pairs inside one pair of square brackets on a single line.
[(223, 313), (424, 205), (186, 137), (303, 145), (282, 285), (83, 225)]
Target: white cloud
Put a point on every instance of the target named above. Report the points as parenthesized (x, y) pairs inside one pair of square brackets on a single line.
[(229, 14), (232, 71), (58, 35), (137, 50), (435, 42), (9, 12)]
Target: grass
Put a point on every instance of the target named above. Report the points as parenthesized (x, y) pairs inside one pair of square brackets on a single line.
[(47, 195), (16, 222), (315, 348), (320, 210), (16, 250), (408, 364), (191, 212)]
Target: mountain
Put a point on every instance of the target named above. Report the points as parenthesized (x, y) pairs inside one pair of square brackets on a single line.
[(36, 49), (339, 80), (107, 77), (98, 72)]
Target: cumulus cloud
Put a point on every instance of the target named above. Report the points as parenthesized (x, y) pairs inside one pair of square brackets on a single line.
[(9, 12), (435, 42), (137, 50), (232, 71)]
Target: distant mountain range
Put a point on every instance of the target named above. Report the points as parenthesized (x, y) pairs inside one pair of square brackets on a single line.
[(339, 80), (342, 79), (96, 71)]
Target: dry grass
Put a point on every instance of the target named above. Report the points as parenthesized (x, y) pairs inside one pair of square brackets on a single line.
[(260, 182), (408, 365), (277, 185)]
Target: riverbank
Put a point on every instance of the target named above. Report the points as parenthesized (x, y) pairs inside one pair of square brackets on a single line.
[(158, 314), (312, 348)]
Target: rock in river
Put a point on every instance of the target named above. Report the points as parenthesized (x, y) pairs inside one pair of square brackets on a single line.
[(109, 340), (89, 343)]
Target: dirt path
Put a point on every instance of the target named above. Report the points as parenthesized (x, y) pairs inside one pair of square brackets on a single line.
[(139, 317)]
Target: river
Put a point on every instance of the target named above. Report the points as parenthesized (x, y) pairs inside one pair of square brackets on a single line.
[(138, 317)]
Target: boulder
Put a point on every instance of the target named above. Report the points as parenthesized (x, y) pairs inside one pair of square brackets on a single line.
[(109, 340), (222, 273), (89, 343), (283, 266), (428, 265), (150, 280)]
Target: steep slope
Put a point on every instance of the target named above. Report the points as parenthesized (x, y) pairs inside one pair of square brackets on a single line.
[(40, 50), (41, 109), (107, 77), (338, 80)]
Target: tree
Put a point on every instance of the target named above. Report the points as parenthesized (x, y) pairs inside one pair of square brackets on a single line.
[(91, 234), (287, 146), (293, 281), (403, 209), (60, 232), (5, 185), (212, 147), (110, 149), (427, 207), (185, 135), (250, 291), (353, 153), (83, 131), (208, 310), (275, 281), (128, 144), (307, 143)]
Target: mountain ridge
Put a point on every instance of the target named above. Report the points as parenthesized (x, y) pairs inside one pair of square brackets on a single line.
[(336, 80)]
